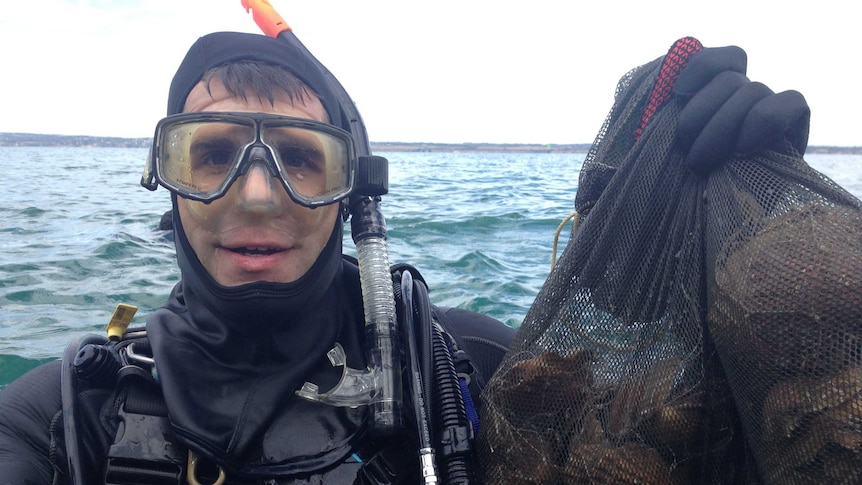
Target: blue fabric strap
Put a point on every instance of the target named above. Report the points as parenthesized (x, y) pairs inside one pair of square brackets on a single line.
[(472, 415)]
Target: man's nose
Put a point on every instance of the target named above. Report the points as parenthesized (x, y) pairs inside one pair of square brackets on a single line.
[(259, 190)]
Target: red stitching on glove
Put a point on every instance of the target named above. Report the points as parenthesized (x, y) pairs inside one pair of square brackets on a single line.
[(675, 60)]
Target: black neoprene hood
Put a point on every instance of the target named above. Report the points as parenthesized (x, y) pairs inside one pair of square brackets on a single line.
[(220, 48)]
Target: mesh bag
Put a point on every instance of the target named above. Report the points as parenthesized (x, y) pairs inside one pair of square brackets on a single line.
[(695, 329)]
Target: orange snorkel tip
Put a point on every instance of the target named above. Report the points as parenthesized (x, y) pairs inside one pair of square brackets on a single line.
[(269, 21)]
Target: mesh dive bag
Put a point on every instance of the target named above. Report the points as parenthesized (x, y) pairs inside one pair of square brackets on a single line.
[(696, 329)]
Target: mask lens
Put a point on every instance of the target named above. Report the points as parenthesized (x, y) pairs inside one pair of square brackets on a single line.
[(315, 164), (199, 157)]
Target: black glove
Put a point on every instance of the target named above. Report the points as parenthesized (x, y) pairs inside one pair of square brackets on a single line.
[(725, 113)]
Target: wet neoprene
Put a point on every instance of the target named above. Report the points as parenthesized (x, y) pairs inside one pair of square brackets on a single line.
[(725, 113)]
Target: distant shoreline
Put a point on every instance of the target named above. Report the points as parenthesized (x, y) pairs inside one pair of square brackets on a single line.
[(39, 140)]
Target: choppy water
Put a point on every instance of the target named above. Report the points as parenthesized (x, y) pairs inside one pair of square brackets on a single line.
[(78, 235)]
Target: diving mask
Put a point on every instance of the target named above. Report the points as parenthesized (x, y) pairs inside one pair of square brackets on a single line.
[(198, 156)]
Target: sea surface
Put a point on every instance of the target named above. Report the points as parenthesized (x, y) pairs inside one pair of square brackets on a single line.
[(78, 235)]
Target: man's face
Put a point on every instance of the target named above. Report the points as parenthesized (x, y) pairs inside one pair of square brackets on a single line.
[(255, 232)]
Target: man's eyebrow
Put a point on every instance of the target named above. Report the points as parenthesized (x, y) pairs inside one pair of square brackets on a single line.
[(208, 142)]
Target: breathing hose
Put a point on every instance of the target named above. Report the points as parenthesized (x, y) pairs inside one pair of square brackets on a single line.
[(449, 418), (416, 382)]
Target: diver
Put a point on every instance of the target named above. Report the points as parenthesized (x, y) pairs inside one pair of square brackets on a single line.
[(261, 155)]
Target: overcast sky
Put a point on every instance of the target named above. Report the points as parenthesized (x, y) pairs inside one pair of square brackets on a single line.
[(446, 71)]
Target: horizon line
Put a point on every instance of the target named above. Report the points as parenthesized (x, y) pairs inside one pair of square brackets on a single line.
[(22, 137)]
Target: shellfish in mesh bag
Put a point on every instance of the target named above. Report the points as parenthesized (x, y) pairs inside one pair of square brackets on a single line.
[(698, 328), (786, 316)]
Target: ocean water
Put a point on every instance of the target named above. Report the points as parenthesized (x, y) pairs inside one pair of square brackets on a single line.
[(78, 235)]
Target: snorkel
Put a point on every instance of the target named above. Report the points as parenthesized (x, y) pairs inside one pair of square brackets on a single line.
[(381, 382)]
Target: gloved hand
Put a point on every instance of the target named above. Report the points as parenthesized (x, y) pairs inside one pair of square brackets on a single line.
[(725, 113)]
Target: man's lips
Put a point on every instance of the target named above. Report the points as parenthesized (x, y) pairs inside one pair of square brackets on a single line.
[(254, 251), (256, 243), (257, 257)]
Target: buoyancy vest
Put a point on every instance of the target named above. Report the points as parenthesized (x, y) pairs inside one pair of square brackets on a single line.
[(326, 445)]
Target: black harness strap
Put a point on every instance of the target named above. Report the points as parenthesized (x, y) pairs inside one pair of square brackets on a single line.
[(145, 451)]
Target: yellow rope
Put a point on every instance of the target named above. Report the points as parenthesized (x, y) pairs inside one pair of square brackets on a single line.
[(574, 215)]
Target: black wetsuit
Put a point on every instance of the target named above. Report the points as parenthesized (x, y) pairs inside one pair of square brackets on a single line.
[(31, 438)]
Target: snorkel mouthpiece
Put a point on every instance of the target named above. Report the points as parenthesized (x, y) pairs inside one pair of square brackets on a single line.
[(369, 233)]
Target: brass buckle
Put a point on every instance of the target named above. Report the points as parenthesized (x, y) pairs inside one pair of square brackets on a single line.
[(192, 468)]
